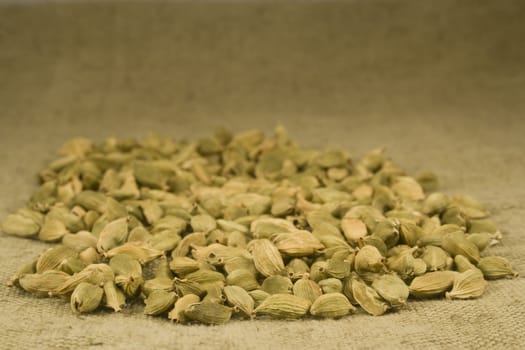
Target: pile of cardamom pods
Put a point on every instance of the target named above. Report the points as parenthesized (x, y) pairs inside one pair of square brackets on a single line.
[(247, 226)]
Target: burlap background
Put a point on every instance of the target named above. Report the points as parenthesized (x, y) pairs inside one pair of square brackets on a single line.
[(440, 83)]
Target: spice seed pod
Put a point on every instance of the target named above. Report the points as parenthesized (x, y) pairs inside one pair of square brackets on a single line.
[(86, 297), (468, 284), (177, 313), (331, 305), (239, 298), (208, 313), (283, 306), (432, 284)]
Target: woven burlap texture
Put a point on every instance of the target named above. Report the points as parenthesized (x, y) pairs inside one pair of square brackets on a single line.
[(440, 84)]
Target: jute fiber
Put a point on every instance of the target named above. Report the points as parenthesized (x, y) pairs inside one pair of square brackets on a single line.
[(441, 84)]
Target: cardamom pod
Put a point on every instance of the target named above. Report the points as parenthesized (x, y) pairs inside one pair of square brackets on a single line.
[(369, 259), (86, 297), (307, 289), (432, 284), (283, 306), (368, 298), (266, 257), (242, 278), (182, 303), (240, 299), (392, 288), (277, 284), (331, 285), (494, 267), (208, 313), (159, 302), (42, 284), (467, 284), (331, 305)]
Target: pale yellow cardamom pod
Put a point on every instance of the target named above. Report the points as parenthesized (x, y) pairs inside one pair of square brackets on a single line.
[(266, 257), (283, 306), (208, 312), (86, 297), (468, 284), (182, 303), (331, 305), (432, 284), (240, 299), (368, 298)]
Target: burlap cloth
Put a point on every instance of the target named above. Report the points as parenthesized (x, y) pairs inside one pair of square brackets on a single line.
[(440, 83)]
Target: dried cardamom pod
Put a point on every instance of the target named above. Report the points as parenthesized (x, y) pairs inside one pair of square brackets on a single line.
[(113, 235), (297, 244), (240, 299), (307, 289), (368, 298), (183, 247), (25, 269), (435, 203), (432, 284), (408, 188), (482, 240), (436, 258), (374, 241), (338, 268), (331, 305), (183, 265), (353, 228), (242, 278), (52, 230), (392, 288), (86, 297), (468, 284), (42, 284), (182, 303), (456, 243), (128, 273), (52, 258), (203, 223), (266, 257), (480, 226), (141, 251), (283, 306), (463, 264), (331, 285), (297, 268), (96, 274), (21, 225), (184, 287), (388, 231), (159, 302), (205, 277), (277, 284), (165, 240), (71, 219), (258, 296), (469, 207), (410, 233), (403, 263), (265, 227), (494, 267), (369, 259), (419, 267), (318, 271), (113, 296), (89, 256), (80, 240), (208, 313)]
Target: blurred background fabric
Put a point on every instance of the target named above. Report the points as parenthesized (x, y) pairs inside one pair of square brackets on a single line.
[(440, 84)]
